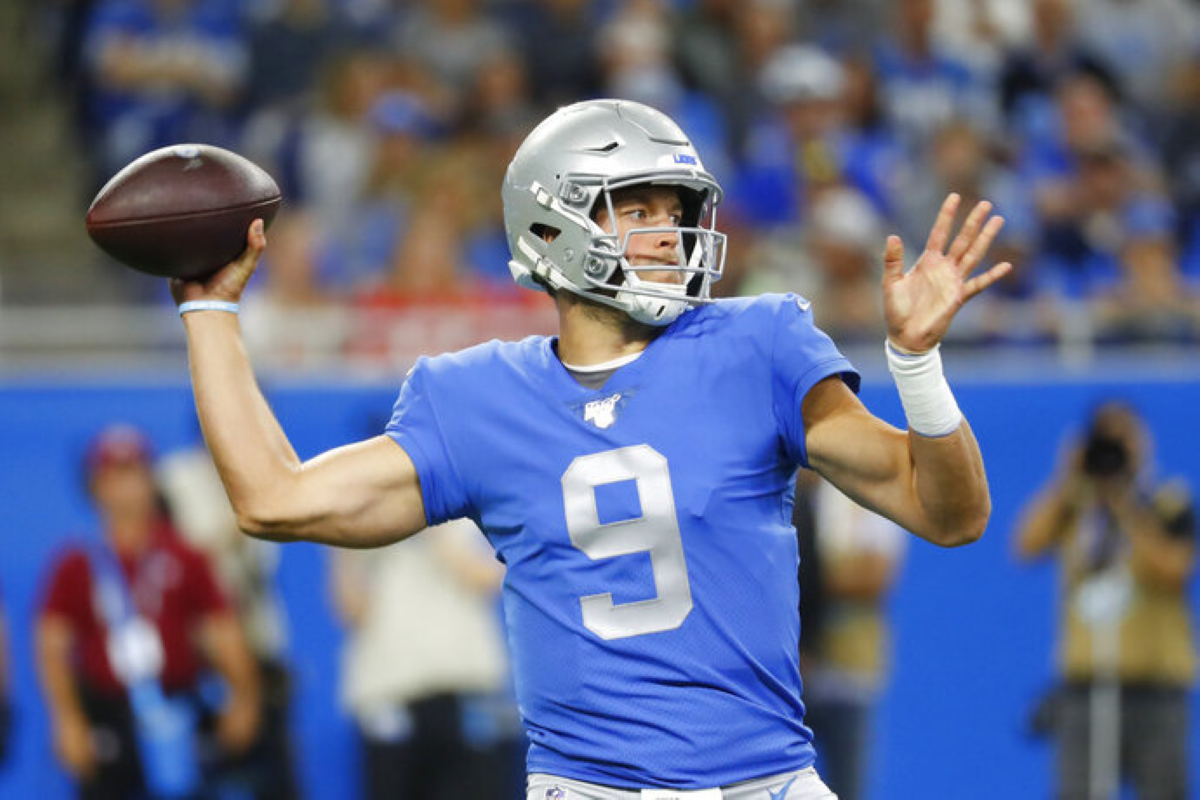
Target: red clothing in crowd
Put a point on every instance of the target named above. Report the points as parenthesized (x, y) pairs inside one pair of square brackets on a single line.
[(173, 587)]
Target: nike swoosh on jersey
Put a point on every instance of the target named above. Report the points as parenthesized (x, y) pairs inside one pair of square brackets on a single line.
[(782, 793), (804, 305)]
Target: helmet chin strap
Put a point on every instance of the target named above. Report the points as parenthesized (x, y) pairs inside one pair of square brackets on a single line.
[(653, 310)]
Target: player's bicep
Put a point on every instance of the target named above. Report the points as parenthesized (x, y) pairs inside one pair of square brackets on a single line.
[(365, 494), (860, 454)]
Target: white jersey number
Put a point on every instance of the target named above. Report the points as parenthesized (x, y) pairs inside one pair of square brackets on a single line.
[(656, 531)]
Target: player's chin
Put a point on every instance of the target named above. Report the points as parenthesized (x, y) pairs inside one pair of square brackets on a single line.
[(668, 276)]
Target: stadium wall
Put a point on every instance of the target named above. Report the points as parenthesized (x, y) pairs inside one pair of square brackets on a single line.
[(974, 630)]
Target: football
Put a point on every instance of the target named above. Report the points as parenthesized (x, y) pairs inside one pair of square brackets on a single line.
[(181, 211)]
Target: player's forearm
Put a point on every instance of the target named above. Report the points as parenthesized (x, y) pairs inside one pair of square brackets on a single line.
[(250, 450), (950, 486)]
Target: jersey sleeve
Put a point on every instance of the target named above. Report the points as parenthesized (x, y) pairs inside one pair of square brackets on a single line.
[(415, 426), (802, 356)]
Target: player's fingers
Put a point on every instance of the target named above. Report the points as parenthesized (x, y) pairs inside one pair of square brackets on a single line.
[(256, 236), (256, 242), (979, 247), (893, 259), (981, 282), (939, 234), (970, 230)]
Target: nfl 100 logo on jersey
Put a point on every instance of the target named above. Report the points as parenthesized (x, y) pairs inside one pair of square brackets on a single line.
[(603, 412)]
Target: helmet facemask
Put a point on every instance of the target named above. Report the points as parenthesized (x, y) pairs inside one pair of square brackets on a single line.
[(569, 168), (610, 274)]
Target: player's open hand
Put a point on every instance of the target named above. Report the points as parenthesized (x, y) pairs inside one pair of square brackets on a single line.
[(918, 305), (229, 281)]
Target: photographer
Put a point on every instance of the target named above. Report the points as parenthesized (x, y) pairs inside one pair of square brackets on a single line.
[(5, 691), (1126, 547)]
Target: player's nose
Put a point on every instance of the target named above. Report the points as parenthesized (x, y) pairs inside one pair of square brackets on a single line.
[(669, 237)]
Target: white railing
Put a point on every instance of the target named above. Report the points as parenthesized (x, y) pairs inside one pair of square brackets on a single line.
[(73, 341)]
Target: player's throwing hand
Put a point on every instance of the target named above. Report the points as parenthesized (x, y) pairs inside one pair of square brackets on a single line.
[(227, 283), (918, 305)]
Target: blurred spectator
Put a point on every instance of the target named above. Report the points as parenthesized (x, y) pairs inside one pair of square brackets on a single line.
[(762, 29), (424, 670), (499, 103), (289, 40), (861, 554), (6, 691), (426, 261), (322, 154), (978, 32), (840, 26), (877, 165), (803, 144), (377, 219), (1126, 232), (1107, 229), (291, 318), (796, 148), (637, 64), (1125, 543), (1023, 307), (450, 40), (426, 265), (162, 72), (634, 49), (500, 113), (706, 50), (1031, 72), (246, 569), (1143, 41), (129, 624), (722, 47), (557, 40), (923, 83), (834, 259), (1181, 158)]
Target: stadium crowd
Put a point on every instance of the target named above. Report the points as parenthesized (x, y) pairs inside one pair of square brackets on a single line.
[(388, 126)]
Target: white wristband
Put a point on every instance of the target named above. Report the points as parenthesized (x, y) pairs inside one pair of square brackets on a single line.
[(207, 305), (928, 402)]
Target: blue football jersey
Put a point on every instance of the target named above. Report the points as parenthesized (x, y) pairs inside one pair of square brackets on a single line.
[(651, 594)]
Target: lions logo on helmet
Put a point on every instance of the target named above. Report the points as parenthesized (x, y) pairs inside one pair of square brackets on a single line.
[(568, 167)]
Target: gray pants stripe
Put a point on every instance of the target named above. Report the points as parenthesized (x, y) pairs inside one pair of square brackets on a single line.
[(805, 785)]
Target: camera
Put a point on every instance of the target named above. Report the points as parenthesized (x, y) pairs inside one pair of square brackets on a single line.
[(1104, 456)]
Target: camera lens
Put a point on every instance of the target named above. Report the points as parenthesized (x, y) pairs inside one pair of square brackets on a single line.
[(1104, 456)]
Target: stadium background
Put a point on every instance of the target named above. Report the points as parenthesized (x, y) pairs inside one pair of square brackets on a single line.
[(973, 628), (83, 344)]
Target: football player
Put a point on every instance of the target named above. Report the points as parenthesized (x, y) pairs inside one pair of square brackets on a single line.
[(635, 471)]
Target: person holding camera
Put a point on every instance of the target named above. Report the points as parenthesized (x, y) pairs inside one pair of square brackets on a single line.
[(1126, 546)]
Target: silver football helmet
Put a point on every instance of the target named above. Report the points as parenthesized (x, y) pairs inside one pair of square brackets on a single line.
[(568, 168)]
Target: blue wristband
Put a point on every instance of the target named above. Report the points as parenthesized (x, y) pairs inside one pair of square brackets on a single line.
[(207, 305)]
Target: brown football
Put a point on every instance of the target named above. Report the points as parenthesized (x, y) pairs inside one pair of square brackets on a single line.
[(181, 211)]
